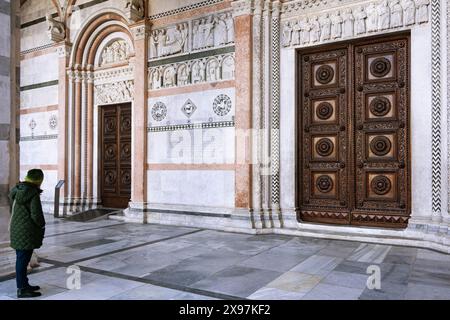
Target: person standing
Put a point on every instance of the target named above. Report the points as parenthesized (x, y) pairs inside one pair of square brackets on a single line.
[(27, 228)]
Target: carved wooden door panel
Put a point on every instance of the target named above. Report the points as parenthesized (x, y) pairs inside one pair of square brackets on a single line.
[(381, 135), (325, 144), (353, 133), (115, 155)]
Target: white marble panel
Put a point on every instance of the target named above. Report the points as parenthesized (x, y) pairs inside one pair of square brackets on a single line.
[(5, 86), (193, 187), (42, 123), (288, 113), (4, 160), (5, 35), (39, 97), (39, 152), (421, 121), (48, 185), (39, 69), (203, 102), (34, 36), (211, 146)]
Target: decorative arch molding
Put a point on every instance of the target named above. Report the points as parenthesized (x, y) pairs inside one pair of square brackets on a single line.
[(90, 87)]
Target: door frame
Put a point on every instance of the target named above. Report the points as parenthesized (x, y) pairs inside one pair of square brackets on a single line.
[(100, 109), (298, 164)]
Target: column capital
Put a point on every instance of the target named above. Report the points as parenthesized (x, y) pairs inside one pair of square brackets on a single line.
[(242, 7), (140, 30)]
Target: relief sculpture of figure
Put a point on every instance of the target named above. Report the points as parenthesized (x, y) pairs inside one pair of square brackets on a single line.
[(296, 28), (336, 27), (154, 44), (169, 77), (135, 9), (396, 14), (422, 11), (348, 22), (209, 33), (56, 30), (305, 31), (182, 36), (315, 29), (409, 12), (372, 18), (287, 34), (220, 31), (183, 75), (156, 80), (198, 72), (196, 35), (360, 24), (230, 27), (383, 15), (326, 28)]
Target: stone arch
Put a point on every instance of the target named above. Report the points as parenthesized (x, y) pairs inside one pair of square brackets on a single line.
[(98, 31)]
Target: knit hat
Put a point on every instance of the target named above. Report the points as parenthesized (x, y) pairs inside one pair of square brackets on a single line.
[(35, 176)]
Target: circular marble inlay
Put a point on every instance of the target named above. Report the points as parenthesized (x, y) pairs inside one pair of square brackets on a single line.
[(381, 185), (222, 105), (380, 106), (324, 147), (324, 183), (324, 74), (53, 122), (159, 111), (380, 67), (324, 110), (380, 145)]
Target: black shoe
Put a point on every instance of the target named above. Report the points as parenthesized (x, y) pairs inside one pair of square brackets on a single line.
[(27, 293), (33, 288)]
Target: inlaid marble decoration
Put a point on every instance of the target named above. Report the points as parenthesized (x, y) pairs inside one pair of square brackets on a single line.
[(188, 108), (159, 111), (222, 105), (53, 122)]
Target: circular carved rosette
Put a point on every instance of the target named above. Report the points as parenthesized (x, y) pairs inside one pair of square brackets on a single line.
[(324, 111), (380, 106), (380, 145), (110, 125), (380, 67), (324, 184), (380, 185), (125, 125), (324, 74), (125, 152), (222, 105), (110, 152), (324, 147), (110, 178), (126, 178)]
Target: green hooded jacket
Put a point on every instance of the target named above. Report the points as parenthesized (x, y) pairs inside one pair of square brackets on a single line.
[(27, 223)]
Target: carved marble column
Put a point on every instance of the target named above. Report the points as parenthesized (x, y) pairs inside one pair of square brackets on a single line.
[(257, 113), (139, 115), (77, 137), (242, 13), (63, 94)]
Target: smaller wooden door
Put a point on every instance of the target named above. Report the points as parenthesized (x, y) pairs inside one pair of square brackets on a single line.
[(115, 155)]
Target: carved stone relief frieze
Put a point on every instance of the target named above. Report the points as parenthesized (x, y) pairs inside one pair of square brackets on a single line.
[(352, 21), (199, 34), (115, 52), (215, 68), (115, 92)]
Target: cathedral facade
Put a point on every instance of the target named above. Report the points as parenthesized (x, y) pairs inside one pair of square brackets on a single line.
[(321, 118)]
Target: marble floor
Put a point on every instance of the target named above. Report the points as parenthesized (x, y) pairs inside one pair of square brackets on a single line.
[(132, 261)]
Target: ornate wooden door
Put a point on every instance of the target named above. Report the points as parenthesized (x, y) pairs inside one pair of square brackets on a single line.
[(115, 159), (354, 134)]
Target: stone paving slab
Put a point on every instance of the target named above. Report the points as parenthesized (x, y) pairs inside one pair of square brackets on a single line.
[(121, 261)]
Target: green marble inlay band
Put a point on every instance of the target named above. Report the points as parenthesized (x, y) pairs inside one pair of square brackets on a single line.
[(39, 85), (192, 56)]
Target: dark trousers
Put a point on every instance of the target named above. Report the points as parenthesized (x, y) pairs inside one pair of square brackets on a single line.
[(23, 257)]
